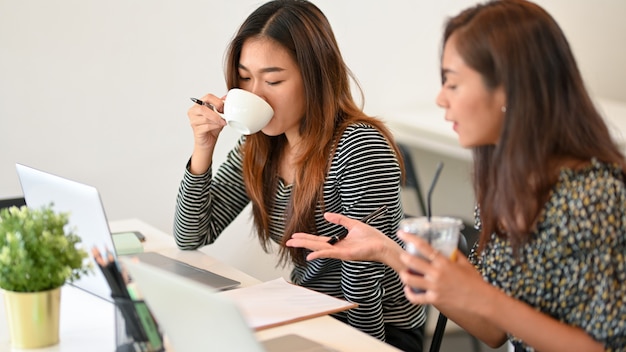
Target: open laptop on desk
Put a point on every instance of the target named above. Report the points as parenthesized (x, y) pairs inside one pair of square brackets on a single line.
[(194, 318), (87, 217)]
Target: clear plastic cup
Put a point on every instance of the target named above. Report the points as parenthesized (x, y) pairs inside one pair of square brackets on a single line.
[(442, 233)]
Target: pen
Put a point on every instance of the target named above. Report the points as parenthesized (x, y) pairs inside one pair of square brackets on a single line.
[(200, 102), (366, 220)]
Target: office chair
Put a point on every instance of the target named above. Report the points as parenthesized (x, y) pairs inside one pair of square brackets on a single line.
[(411, 180), (9, 202), (469, 235)]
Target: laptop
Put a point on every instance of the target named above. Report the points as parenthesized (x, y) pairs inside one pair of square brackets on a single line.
[(88, 219), (195, 318)]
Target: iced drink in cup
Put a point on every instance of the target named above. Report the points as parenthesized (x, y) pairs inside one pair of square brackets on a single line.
[(441, 232)]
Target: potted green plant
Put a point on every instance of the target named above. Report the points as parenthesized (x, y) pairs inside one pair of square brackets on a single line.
[(38, 254)]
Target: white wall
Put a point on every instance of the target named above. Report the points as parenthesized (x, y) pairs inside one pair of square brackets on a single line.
[(97, 91)]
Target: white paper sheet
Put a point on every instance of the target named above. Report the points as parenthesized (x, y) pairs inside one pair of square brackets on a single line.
[(278, 302)]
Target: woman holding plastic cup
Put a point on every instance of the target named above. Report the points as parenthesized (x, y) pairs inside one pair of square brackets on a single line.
[(319, 151), (549, 185)]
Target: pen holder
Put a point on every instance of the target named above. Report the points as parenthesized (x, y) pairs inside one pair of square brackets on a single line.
[(135, 327)]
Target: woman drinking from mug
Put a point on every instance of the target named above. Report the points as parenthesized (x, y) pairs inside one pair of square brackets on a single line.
[(318, 153), (549, 183)]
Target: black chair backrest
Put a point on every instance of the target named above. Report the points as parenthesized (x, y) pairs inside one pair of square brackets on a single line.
[(9, 202), (411, 180)]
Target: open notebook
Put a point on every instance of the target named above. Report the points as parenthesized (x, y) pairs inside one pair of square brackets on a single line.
[(194, 317), (89, 220)]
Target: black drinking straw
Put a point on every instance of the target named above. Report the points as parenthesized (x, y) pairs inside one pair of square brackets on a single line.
[(428, 233), (432, 187)]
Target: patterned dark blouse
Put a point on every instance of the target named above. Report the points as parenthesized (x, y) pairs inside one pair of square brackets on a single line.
[(574, 267)]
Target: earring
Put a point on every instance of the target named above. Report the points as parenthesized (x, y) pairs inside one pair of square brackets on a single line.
[(503, 108)]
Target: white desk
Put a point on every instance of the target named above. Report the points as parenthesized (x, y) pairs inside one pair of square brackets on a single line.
[(87, 322), (425, 128)]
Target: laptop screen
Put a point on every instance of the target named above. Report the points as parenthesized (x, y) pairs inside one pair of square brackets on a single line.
[(204, 320), (86, 217)]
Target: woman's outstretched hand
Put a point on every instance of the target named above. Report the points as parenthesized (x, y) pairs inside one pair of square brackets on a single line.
[(362, 243)]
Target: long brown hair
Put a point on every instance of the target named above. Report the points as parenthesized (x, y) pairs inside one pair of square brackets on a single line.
[(549, 117), (304, 31)]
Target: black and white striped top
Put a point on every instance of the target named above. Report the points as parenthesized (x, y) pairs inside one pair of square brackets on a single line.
[(364, 175)]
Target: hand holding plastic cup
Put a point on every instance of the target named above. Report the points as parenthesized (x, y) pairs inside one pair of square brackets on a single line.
[(244, 111), (442, 233)]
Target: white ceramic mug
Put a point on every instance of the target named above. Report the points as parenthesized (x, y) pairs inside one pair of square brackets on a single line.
[(246, 112)]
